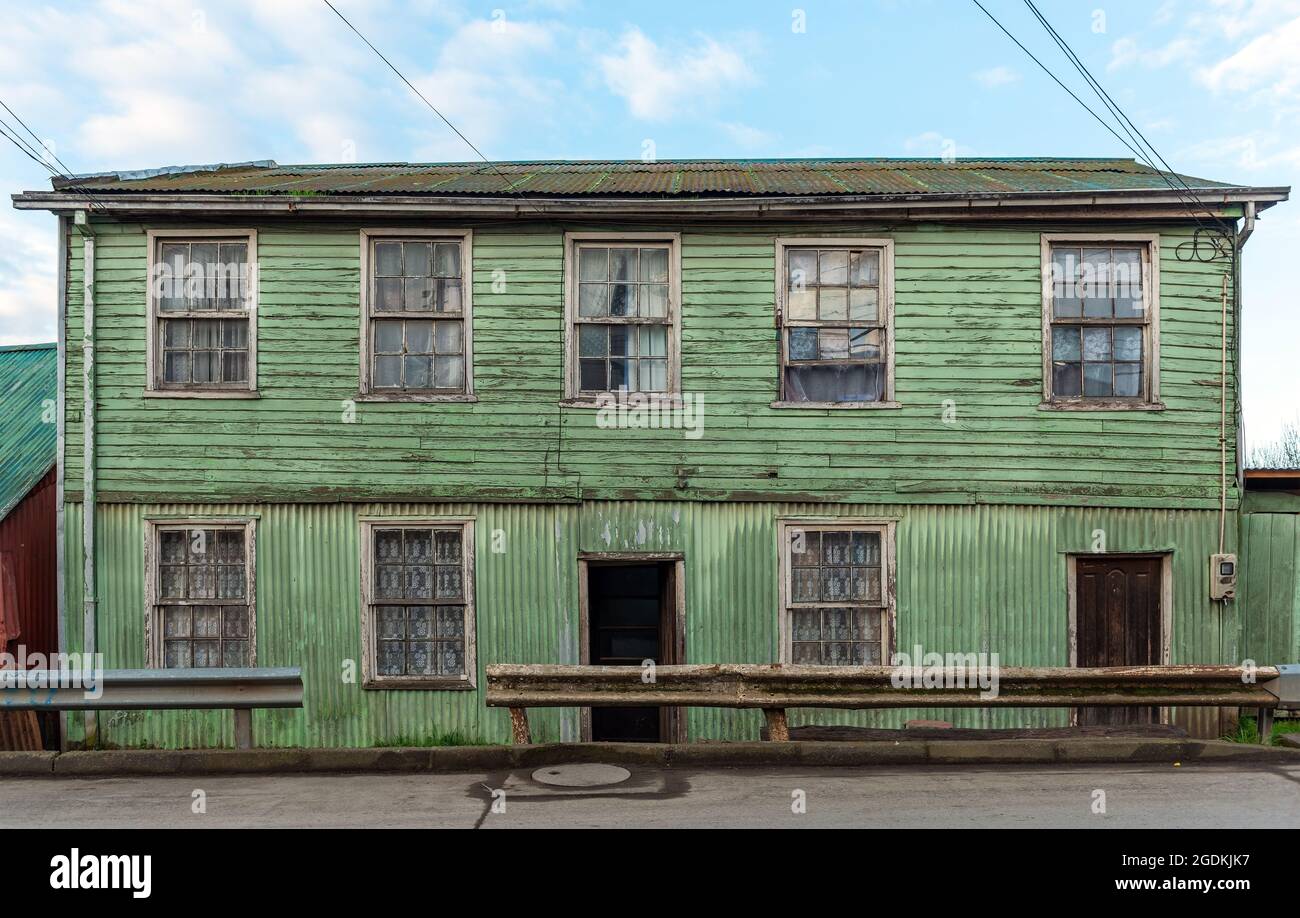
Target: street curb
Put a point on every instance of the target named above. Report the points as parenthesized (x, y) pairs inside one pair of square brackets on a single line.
[(489, 759)]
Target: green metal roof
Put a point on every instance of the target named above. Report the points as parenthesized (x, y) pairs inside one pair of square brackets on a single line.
[(665, 178), (28, 433)]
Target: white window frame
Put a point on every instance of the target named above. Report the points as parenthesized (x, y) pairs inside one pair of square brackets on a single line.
[(887, 529), (370, 677), (1150, 245), (366, 392), (885, 246), (154, 316), (573, 395), (153, 630)]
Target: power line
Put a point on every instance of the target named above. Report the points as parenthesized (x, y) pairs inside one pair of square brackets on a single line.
[(509, 184), (54, 155), (1125, 123)]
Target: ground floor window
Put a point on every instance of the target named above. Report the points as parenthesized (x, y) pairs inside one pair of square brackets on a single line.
[(200, 577), (418, 604), (836, 593)]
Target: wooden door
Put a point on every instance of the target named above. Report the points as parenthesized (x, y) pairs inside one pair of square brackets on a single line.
[(1118, 623)]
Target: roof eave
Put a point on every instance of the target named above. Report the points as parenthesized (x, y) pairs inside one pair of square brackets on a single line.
[(1213, 200)]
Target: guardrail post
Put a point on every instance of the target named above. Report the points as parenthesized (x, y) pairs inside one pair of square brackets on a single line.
[(244, 728), (778, 730), (1264, 722), (519, 731)]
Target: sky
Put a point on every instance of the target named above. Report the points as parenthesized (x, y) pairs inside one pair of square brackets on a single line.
[(130, 84)]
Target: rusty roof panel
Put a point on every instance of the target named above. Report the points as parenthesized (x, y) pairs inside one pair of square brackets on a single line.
[(801, 177)]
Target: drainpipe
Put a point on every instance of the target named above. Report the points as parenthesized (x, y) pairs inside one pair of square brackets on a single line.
[(60, 463), (90, 599)]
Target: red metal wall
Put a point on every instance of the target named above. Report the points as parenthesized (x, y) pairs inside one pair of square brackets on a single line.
[(27, 540)]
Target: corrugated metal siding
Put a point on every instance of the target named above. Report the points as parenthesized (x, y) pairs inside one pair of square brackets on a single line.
[(28, 388), (27, 541), (1270, 586), (663, 177), (970, 578)]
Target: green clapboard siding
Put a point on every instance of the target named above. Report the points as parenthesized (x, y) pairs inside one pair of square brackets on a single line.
[(969, 579), (968, 332)]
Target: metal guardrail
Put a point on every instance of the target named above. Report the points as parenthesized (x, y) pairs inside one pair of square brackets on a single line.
[(240, 690), (776, 687)]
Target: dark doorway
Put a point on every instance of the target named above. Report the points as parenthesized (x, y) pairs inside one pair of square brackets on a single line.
[(1118, 624), (631, 617)]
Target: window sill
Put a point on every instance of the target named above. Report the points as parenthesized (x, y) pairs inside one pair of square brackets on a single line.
[(1101, 406), (836, 405), (202, 393), (411, 397), (428, 685)]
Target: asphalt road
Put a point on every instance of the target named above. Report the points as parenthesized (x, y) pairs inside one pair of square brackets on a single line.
[(1139, 796)]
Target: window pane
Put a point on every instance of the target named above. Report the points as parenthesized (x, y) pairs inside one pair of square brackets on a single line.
[(447, 259), (866, 343), (834, 268), (1128, 283), (618, 374), (388, 372), (623, 265), (419, 372), (176, 367), (419, 336), (1128, 379), (448, 337), (803, 344), (864, 269), (234, 366), (205, 366), (593, 264), (592, 340), (388, 337), (234, 334), (176, 333), (388, 294), (388, 259), (1096, 344), (449, 372), (864, 304), (1067, 379), (1065, 343), (803, 268), (419, 294), (1096, 283), (622, 299), (419, 258), (654, 341), (802, 304), (654, 266), (834, 343), (833, 303), (620, 340), (1128, 343), (654, 300), (653, 375), (1066, 299), (1097, 379), (449, 295), (591, 299), (592, 375)]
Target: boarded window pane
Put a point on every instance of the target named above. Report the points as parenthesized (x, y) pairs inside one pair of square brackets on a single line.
[(833, 268), (803, 268), (833, 304)]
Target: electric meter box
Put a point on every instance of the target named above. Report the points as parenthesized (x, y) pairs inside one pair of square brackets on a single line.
[(1223, 576)]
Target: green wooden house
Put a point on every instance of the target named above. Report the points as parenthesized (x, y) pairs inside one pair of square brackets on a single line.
[(393, 423)]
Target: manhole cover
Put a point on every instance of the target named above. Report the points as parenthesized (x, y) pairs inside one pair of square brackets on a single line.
[(581, 775)]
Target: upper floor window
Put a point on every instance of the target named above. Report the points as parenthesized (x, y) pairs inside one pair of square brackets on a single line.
[(836, 589), (835, 312), (416, 316), (1100, 321), (201, 594), (622, 304), (202, 311), (418, 604)]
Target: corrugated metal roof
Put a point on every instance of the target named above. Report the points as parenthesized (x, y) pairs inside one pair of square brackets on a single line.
[(28, 434), (769, 177)]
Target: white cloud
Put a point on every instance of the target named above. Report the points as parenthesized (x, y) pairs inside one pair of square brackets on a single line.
[(1126, 52), (746, 136), (995, 77), (658, 83), (1270, 63)]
